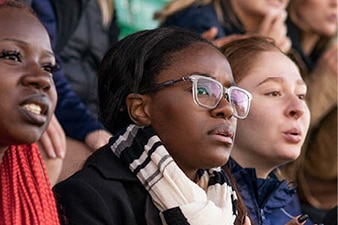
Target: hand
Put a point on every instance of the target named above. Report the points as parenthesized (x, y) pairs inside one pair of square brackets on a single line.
[(246, 221), (212, 33), (273, 26), (53, 140), (329, 59), (298, 220), (96, 139)]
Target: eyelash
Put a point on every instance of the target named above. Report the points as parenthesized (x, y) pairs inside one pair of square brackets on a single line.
[(277, 93), (302, 97), (273, 93), (50, 68), (9, 54), (16, 56)]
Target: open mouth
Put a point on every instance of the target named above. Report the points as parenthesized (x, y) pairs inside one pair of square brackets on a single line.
[(224, 133), (293, 136), (34, 108)]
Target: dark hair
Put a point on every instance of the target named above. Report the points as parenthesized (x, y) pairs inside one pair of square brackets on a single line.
[(331, 216), (132, 65)]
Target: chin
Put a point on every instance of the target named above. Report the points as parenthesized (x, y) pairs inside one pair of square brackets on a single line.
[(222, 160), (33, 136), (290, 158)]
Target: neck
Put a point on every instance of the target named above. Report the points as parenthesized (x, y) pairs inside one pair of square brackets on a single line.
[(308, 38), (250, 23), (2, 151), (249, 161), (309, 41)]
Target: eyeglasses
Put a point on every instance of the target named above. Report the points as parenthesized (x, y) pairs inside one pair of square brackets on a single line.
[(208, 93)]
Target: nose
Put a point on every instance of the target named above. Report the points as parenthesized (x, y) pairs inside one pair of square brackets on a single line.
[(223, 110), (38, 78), (296, 107)]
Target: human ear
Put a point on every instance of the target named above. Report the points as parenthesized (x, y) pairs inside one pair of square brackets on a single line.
[(137, 106)]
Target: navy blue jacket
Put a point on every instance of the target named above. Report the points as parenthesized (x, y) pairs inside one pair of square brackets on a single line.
[(72, 114), (201, 18), (268, 201)]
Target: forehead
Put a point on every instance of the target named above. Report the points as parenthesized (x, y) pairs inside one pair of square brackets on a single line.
[(20, 24), (198, 58), (273, 63)]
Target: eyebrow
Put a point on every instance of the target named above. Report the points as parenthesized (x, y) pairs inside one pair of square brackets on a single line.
[(15, 40), (229, 83), (24, 44), (279, 80)]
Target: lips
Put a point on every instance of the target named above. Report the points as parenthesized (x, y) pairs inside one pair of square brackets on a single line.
[(293, 135), (276, 3), (35, 109), (224, 133)]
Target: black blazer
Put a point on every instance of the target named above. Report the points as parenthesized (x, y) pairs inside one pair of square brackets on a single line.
[(105, 192)]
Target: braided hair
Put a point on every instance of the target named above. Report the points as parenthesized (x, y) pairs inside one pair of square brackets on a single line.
[(26, 196)]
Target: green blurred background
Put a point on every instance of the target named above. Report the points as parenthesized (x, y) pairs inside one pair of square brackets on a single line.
[(135, 15)]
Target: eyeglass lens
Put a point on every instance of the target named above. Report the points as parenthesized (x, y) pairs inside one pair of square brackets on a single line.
[(240, 101), (209, 93)]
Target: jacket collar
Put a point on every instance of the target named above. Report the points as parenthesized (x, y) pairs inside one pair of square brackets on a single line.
[(110, 167)]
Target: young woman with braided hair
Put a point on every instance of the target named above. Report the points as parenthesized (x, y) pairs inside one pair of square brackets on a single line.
[(28, 98)]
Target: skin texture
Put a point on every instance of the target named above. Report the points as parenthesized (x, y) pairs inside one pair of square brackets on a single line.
[(266, 138), (26, 61), (257, 10), (316, 16), (173, 114), (264, 17)]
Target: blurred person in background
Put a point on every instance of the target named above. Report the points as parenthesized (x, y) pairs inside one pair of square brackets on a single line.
[(86, 29), (84, 132), (312, 27), (219, 20)]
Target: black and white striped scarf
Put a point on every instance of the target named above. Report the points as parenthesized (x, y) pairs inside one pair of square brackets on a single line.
[(212, 200)]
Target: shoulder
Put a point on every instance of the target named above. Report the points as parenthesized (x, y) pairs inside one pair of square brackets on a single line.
[(101, 167), (103, 186), (197, 18)]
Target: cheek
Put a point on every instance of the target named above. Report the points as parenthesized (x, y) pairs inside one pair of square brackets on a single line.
[(306, 120), (53, 97), (259, 120), (178, 121)]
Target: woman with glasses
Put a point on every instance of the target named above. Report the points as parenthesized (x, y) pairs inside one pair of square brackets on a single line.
[(169, 98), (273, 132)]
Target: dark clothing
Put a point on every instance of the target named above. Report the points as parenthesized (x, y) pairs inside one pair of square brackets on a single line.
[(107, 192), (268, 201), (72, 114), (295, 35), (81, 43), (199, 19)]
